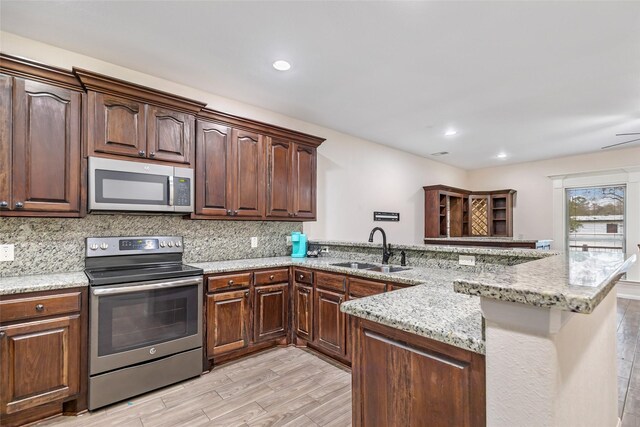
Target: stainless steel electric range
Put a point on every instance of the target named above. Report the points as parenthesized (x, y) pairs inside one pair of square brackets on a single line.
[(145, 320)]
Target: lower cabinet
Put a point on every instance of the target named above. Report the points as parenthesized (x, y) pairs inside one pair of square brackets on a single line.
[(303, 311), (403, 379), (271, 313), (227, 321), (42, 355), (329, 323)]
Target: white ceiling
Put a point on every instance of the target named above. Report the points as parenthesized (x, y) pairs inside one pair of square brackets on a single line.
[(532, 79)]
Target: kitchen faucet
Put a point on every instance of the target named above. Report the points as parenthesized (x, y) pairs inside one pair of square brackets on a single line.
[(386, 253)]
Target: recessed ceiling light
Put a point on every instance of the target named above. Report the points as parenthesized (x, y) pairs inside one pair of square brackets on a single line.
[(450, 132), (281, 65), (502, 155)]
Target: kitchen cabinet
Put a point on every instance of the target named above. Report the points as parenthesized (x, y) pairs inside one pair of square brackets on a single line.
[(404, 379), (271, 311), (40, 140), (133, 121), (229, 172), (360, 288), (291, 180), (43, 355), (329, 322), (454, 212), (303, 311), (227, 321)]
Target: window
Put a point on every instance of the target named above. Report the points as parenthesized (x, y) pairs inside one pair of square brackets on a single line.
[(595, 219)]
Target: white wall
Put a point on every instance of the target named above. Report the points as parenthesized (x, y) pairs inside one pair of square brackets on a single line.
[(355, 177), (533, 213)]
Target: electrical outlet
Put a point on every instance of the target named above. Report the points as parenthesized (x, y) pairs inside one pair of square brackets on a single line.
[(254, 242), (6, 253), (289, 241), (467, 260), (324, 250)]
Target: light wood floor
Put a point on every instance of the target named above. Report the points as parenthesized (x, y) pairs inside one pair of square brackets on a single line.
[(294, 387), (284, 386)]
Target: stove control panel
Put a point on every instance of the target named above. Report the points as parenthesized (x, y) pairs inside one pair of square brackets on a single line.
[(112, 246)]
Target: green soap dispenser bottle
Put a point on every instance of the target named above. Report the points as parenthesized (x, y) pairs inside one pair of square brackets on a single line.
[(299, 245)]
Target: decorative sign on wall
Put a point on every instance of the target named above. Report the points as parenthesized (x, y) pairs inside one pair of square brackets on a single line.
[(386, 216)]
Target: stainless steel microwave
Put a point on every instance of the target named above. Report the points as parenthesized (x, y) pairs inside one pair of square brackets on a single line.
[(120, 185)]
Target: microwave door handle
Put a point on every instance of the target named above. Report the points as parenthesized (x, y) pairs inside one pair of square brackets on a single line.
[(171, 190)]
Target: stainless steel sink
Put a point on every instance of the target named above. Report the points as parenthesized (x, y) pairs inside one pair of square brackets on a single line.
[(388, 268), (355, 264)]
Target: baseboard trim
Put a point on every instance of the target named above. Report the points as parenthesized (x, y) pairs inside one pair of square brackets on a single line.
[(629, 290)]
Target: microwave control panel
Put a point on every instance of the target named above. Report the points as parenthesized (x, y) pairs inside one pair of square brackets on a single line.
[(182, 192)]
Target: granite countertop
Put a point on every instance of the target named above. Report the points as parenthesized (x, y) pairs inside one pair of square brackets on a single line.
[(576, 281), (462, 250), (42, 282)]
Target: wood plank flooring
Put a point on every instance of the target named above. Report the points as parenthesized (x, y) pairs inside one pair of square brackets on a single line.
[(295, 387), (279, 387)]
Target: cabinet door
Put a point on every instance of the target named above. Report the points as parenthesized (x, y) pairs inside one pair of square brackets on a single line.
[(227, 322), (271, 311), (247, 189), (46, 147), (117, 126), (212, 166), (329, 322), (6, 122), (303, 311), (279, 197), (304, 182), (40, 363), (169, 135)]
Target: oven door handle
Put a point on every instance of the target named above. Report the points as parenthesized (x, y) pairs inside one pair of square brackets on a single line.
[(149, 287)]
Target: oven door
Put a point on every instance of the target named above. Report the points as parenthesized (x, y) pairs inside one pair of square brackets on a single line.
[(138, 322)]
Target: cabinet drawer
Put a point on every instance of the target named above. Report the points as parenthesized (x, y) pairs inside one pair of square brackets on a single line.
[(29, 308), (330, 281), (303, 276), (215, 283), (364, 288), (396, 286), (272, 276)]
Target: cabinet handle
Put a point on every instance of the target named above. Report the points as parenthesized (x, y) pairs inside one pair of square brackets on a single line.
[(229, 212), (2, 334), (39, 307), (141, 153), (19, 205), (246, 293), (271, 277), (152, 154), (230, 282), (4, 204)]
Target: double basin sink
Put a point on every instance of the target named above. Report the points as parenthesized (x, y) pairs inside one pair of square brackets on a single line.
[(371, 267)]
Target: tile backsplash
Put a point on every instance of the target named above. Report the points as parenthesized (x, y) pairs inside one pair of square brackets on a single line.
[(53, 245)]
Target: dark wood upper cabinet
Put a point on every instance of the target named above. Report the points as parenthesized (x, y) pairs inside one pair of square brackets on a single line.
[(213, 156), (117, 125), (271, 312), (169, 135), (280, 193), (6, 125), (304, 180), (247, 172), (131, 120), (41, 138)]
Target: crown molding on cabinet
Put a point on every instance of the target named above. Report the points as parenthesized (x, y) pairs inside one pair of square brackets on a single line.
[(32, 70)]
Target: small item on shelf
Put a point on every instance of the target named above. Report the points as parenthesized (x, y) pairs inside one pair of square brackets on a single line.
[(298, 245)]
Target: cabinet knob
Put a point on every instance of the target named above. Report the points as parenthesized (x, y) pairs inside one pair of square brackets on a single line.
[(230, 282), (19, 205), (235, 212), (39, 307), (2, 334), (152, 154), (271, 277), (246, 293), (295, 214), (290, 214), (229, 212), (141, 153), (4, 204), (301, 277)]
